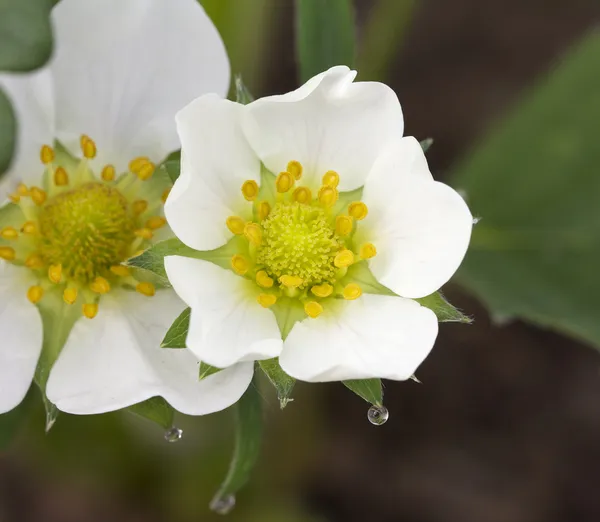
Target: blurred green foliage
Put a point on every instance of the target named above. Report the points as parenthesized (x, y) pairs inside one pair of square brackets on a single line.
[(8, 130)]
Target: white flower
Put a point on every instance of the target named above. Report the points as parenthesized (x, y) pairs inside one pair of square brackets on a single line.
[(302, 242), (120, 71)]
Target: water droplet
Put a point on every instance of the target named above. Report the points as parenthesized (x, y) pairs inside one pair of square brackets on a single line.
[(223, 505), (173, 434), (378, 415)]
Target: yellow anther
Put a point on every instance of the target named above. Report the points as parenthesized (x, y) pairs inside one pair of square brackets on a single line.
[(90, 310), (250, 190), (367, 251), (108, 173), (358, 210), (263, 279), (328, 196), (34, 261), (70, 295), (324, 290), (7, 253), (266, 300), (302, 195), (331, 179), (9, 233), (37, 195), (139, 206), (165, 195), (352, 291), (88, 147), (284, 182), (100, 286), (156, 222), (144, 233), (22, 190), (295, 169), (47, 154), (290, 281), (137, 163), (35, 294), (313, 309), (240, 264), (253, 233), (263, 210), (236, 225), (120, 270), (29, 227), (343, 225), (343, 259), (61, 178), (146, 289), (55, 273), (14, 197), (146, 170)]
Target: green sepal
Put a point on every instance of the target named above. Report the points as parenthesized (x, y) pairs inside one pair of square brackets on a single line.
[(8, 130), (155, 409), (172, 167), (206, 370), (426, 144), (267, 190), (177, 333), (287, 312), (361, 274), (445, 312), (283, 383), (371, 390), (242, 94), (344, 200)]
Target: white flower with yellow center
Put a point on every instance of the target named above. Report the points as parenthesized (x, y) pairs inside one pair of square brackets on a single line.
[(120, 71), (312, 193)]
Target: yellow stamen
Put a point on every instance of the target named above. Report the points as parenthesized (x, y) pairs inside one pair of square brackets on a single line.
[(250, 190), (70, 295), (90, 310), (236, 225), (14, 197), (324, 290), (165, 195), (302, 195), (145, 172), (88, 147), (47, 154), (156, 222), (120, 270), (313, 309), (266, 300), (9, 233), (367, 251), (61, 178), (331, 179), (343, 259), (144, 233), (29, 227), (352, 291), (146, 289), (35, 294), (22, 190), (290, 281), (55, 273), (139, 206), (358, 210), (100, 286), (240, 264), (34, 261), (284, 182), (328, 196), (7, 253), (343, 225), (295, 169), (263, 210), (38, 195), (108, 173), (263, 279), (253, 233)]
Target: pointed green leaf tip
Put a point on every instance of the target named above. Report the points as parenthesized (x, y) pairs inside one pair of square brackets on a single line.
[(283, 383), (242, 94), (155, 409), (371, 390), (177, 334)]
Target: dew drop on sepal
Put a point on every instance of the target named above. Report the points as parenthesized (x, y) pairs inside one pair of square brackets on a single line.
[(378, 415), (223, 505), (173, 434)]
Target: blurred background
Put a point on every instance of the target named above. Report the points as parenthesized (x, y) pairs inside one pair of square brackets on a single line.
[(505, 425)]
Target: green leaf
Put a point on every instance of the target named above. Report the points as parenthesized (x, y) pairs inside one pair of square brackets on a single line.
[(287, 312), (444, 311), (242, 94), (368, 389), (283, 383), (248, 439), (324, 35), (155, 409), (25, 34), (535, 182), (8, 130), (361, 274), (177, 334), (206, 370)]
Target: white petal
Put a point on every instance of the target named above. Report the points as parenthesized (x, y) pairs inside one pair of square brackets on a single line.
[(22, 335), (122, 69), (373, 336), (421, 228), (31, 96), (115, 360), (227, 325), (328, 124), (216, 160)]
